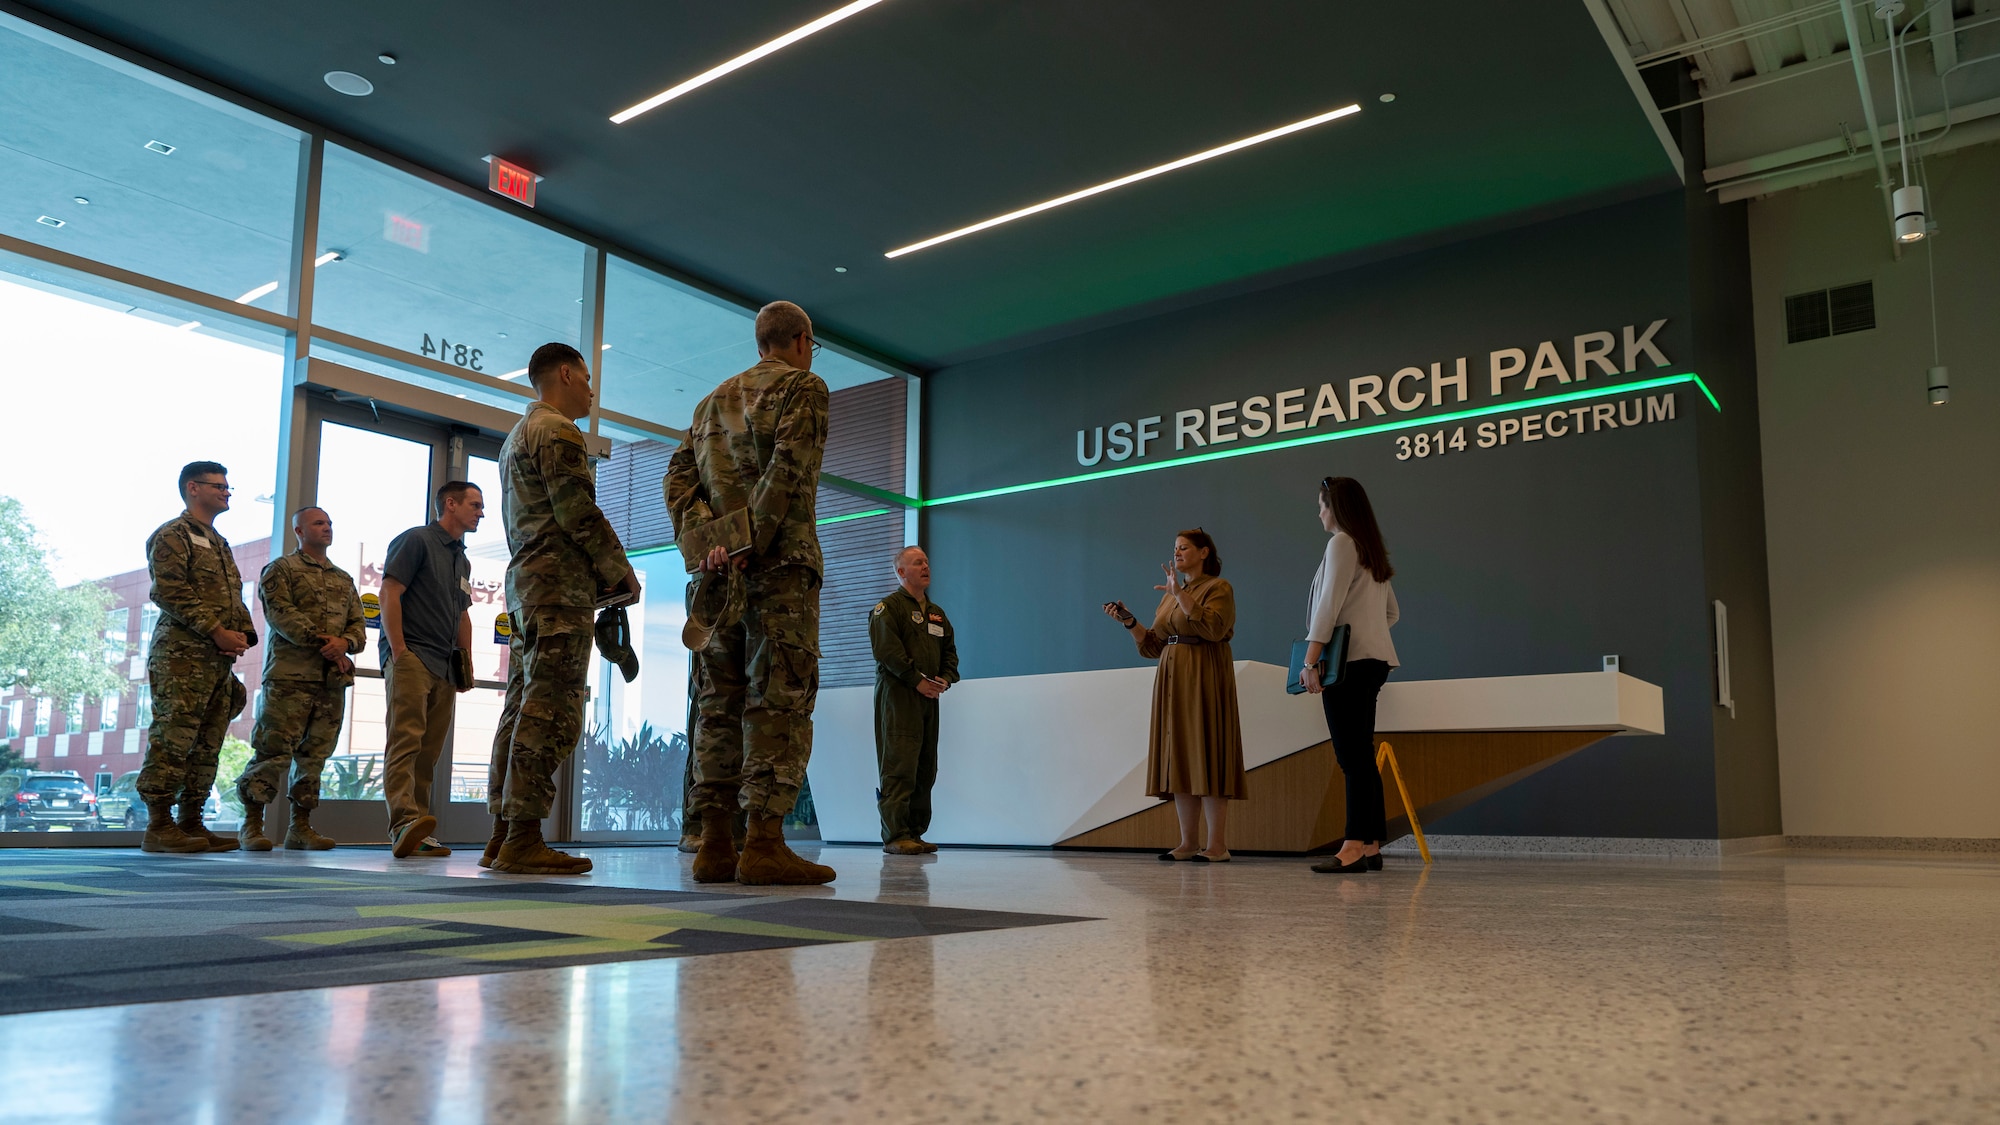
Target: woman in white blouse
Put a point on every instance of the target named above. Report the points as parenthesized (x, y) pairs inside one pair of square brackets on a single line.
[(1352, 589)]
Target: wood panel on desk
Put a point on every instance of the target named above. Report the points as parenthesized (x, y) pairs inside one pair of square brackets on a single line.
[(1298, 803)]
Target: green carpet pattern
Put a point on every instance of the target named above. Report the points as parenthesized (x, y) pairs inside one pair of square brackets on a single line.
[(82, 928)]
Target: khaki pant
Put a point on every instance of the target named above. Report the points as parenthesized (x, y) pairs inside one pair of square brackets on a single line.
[(420, 712)]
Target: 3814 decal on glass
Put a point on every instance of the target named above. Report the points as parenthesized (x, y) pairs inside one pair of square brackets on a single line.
[(1431, 444), (458, 354)]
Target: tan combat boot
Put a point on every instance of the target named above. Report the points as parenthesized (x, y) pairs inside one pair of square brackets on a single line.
[(251, 835), (766, 860), (904, 846), (524, 853), (494, 842), (163, 835), (715, 862), (191, 825), (300, 837)]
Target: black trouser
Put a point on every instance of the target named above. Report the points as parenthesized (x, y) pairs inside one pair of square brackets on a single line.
[(1350, 722)]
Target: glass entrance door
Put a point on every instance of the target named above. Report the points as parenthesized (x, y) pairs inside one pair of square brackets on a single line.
[(376, 477)]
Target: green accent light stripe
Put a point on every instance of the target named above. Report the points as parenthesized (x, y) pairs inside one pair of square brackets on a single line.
[(1422, 423), (665, 547), (868, 492)]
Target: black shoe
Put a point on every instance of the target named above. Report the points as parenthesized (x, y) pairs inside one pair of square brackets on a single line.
[(1170, 857), (1331, 865), (1375, 862)]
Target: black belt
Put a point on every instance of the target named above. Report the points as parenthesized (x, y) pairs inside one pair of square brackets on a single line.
[(1180, 639)]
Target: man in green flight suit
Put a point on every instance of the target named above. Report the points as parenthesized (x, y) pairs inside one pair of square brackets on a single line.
[(916, 661), (755, 445), (314, 614), (566, 558), (204, 626)]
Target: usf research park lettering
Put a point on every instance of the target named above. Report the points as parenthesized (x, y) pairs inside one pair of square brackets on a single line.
[(1509, 371)]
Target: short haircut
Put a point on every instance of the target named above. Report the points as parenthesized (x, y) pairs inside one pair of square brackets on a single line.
[(195, 469), (779, 323), (548, 357), (905, 553), (453, 490), (1212, 565), (300, 514)]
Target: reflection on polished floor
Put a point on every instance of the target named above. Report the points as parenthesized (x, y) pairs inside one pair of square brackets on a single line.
[(1788, 986)]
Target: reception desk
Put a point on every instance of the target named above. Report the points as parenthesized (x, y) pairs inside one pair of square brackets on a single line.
[(1060, 759)]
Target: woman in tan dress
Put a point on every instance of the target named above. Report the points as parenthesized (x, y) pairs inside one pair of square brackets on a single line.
[(1195, 752)]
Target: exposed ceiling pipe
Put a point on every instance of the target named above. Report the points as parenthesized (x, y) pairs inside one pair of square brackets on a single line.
[(1868, 110)]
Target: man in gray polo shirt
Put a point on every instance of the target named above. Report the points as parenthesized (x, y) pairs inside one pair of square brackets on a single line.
[(426, 623)]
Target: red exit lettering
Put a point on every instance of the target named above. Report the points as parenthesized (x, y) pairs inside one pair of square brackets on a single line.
[(511, 180)]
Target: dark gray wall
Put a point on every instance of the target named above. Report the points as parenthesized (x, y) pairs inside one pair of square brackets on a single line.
[(1522, 559)]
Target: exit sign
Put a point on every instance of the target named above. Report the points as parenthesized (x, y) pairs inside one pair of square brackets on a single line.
[(511, 180)]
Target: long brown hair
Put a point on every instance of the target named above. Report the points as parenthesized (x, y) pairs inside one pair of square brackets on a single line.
[(1212, 565), (1353, 514)]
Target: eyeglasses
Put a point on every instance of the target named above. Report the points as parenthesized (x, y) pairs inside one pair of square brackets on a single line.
[(219, 486)]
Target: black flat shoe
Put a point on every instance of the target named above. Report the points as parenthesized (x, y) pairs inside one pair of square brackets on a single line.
[(1374, 861), (1331, 865)]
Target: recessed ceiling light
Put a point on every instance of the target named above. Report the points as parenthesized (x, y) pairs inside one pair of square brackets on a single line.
[(262, 290), (840, 269), (79, 200), (161, 147), (386, 59), (51, 221), (349, 83), (1122, 181), (1385, 99), (744, 59), (329, 256)]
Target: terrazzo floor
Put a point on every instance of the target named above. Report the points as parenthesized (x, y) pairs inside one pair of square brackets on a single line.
[(1831, 987)]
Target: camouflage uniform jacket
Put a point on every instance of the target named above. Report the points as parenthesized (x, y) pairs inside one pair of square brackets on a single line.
[(565, 552), (306, 600), (757, 440), (195, 584), (687, 503)]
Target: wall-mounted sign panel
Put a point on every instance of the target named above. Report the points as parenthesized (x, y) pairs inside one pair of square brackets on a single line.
[(511, 180)]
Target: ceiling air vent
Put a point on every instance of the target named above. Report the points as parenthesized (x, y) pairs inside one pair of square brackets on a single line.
[(1829, 312)]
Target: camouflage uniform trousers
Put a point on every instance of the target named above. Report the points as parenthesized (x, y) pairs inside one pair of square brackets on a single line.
[(548, 670), (195, 695), (756, 684), (299, 725)]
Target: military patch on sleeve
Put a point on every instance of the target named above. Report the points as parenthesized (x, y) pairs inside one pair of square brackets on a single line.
[(879, 607)]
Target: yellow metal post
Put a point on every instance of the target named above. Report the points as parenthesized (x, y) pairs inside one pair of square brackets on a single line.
[(1386, 753)]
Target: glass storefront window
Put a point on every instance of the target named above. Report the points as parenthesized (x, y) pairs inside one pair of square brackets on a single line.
[(669, 344), (429, 271), (112, 162), (635, 743), (161, 397)]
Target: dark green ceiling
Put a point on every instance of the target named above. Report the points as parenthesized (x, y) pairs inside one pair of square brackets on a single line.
[(919, 116)]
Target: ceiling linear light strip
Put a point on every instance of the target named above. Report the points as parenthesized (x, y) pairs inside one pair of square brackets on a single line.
[(1423, 423), (665, 547), (744, 59), (1122, 181)]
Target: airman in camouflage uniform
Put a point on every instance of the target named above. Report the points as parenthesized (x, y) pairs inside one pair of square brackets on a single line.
[(566, 558), (204, 626), (756, 443), (314, 614)]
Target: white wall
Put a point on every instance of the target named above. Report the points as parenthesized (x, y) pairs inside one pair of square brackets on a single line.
[(1883, 513)]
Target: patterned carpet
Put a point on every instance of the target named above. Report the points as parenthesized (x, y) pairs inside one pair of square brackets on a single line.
[(80, 928)]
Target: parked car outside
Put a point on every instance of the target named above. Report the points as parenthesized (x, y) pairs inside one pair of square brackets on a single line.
[(55, 802), (120, 806)]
